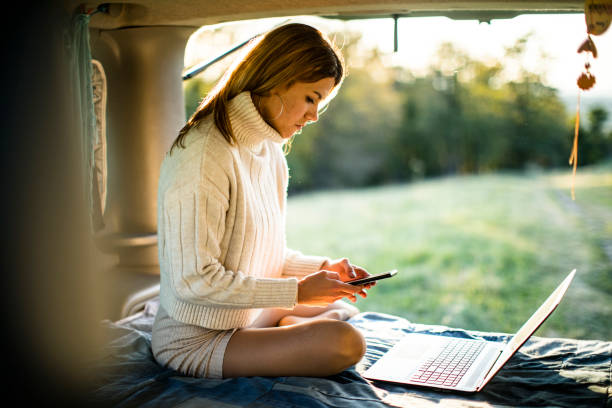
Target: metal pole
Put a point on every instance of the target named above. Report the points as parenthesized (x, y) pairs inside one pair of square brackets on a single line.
[(395, 40), (201, 67)]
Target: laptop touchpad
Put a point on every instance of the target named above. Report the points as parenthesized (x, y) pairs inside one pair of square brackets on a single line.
[(415, 346), (406, 355)]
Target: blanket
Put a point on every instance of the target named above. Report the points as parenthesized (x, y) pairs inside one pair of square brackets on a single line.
[(551, 372)]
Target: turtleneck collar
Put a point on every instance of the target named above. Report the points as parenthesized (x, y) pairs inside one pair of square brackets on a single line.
[(248, 126)]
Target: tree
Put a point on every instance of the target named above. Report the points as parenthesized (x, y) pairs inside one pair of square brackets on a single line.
[(466, 116), (594, 143)]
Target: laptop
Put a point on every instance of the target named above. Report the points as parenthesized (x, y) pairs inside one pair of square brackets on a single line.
[(451, 363)]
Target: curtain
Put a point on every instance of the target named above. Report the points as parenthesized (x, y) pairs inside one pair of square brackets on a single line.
[(94, 174)]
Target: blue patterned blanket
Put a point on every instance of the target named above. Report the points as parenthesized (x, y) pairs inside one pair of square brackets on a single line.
[(549, 372)]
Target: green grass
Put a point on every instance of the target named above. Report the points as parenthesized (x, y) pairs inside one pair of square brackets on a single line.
[(477, 252)]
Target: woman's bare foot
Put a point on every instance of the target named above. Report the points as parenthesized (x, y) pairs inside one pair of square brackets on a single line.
[(340, 311)]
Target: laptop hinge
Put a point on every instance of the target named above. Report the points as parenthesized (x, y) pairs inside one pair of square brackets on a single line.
[(481, 385)]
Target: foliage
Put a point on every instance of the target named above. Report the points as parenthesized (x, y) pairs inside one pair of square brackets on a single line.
[(471, 122), (595, 142)]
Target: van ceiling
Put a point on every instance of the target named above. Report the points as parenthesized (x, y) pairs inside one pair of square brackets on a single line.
[(196, 13)]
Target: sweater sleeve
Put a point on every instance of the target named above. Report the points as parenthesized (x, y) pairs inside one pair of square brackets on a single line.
[(299, 265), (196, 227)]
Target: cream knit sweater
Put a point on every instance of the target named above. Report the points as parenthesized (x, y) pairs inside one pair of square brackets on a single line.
[(221, 224)]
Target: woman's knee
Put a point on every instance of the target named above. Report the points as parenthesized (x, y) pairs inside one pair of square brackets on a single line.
[(353, 343), (347, 344)]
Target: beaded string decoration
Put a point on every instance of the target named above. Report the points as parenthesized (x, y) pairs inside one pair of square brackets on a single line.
[(598, 15)]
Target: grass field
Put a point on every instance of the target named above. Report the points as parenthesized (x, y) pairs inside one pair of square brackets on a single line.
[(477, 252)]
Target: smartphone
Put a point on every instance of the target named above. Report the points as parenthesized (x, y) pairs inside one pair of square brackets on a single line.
[(373, 278)]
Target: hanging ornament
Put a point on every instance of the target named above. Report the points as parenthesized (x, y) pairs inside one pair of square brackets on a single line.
[(598, 15), (586, 80), (588, 46)]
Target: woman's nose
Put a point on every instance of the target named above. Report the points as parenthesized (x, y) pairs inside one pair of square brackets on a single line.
[(312, 114)]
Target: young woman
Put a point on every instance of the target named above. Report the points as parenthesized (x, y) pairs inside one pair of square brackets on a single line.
[(235, 301)]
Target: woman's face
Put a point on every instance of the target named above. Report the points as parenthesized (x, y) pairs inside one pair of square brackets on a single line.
[(288, 110)]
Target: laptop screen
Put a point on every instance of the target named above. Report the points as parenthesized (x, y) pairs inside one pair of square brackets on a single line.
[(530, 326)]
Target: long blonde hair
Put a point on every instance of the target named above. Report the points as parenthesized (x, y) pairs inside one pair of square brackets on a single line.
[(288, 54)]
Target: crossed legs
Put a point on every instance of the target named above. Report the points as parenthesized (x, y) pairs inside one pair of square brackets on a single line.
[(308, 341)]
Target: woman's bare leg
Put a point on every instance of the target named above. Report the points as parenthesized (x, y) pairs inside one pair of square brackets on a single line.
[(318, 347)]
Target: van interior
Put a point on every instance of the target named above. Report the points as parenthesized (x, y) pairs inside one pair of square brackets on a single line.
[(81, 244)]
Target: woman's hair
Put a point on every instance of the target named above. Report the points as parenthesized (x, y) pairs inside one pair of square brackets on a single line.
[(285, 55)]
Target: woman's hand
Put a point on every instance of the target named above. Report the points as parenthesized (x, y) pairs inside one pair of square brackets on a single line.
[(325, 287), (348, 272)]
